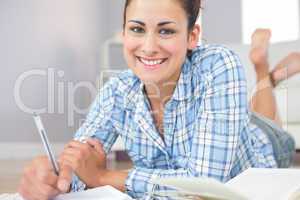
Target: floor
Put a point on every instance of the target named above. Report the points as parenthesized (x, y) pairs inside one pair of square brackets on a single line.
[(10, 171)]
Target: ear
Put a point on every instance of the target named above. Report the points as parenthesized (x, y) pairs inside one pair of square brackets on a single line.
[(194, 37)]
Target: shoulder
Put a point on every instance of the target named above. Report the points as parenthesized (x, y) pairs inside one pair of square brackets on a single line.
[(119, 87), (211, 52), (125, 82), (212, 62), (210, 57), (121, 82)]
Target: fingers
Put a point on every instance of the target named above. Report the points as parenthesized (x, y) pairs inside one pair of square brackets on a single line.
[(70, 157), (85, 148), (65, 178), (75, 144), (40, 191), (26, 189), (96, 144), (77, 157), (47, 191), (83, 159), (38, 181), (72, 152), (32, 193), (81, 149), (44, 172), (47, 177)]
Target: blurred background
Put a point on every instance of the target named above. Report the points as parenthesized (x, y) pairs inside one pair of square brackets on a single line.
[(55, 54)]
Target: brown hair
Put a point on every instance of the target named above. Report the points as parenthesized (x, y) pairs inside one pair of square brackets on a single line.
[(191, 8)]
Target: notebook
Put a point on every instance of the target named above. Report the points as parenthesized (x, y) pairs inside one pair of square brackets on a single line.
[(103, 193)]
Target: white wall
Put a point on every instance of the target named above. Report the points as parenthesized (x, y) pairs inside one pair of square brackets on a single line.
[(64, 35), (67, 35), (222, 21)]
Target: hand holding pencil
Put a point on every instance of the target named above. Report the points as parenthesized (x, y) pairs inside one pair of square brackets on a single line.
[(42, 179)]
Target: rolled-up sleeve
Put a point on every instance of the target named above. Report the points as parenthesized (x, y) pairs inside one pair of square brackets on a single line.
[(98, 124)]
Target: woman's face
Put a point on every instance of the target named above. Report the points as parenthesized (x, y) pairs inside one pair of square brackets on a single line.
[(156, 40)]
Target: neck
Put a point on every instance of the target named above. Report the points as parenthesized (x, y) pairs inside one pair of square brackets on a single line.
[(160, 93)]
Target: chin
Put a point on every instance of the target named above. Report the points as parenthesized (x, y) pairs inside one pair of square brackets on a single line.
[(153, 78)]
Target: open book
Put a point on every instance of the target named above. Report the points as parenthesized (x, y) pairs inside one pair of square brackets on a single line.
[(252, 184)]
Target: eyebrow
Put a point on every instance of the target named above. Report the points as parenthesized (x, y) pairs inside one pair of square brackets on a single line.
[(165, 23), (159, 24), (138, 22)]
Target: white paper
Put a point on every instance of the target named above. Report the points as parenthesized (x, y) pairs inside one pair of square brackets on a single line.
[(103, 193), (10, 197)]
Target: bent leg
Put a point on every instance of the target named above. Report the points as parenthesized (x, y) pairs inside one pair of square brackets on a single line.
[(287, 67), (263, 101)]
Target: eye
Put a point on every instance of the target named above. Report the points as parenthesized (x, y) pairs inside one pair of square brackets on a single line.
[(166, 31), (137, 29)]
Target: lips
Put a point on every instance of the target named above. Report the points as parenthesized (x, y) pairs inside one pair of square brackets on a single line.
[(151, 63)]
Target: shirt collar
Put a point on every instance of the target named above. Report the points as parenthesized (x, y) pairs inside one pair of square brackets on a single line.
[(183, 89), (134, 93)]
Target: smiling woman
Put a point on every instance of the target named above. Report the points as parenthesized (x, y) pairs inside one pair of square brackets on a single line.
[(155, 44), (181, 111)]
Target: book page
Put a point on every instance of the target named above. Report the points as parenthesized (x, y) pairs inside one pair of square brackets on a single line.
[(201, 187), (262, 184)]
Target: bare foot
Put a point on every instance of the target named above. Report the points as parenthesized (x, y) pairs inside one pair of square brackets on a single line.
[(259, 54), (259, 48), (287, 67)]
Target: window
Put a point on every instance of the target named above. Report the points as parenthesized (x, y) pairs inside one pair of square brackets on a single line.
[(282, 17)]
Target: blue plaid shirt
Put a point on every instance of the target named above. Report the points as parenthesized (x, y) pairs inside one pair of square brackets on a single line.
[(207, 129)]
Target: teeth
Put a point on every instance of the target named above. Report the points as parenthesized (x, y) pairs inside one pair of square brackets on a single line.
[(151, 62)]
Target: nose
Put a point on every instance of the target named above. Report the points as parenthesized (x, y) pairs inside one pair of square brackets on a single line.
[(150, 45)]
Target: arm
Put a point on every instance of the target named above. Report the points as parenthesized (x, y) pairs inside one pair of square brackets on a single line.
[(213, 146), (98, 125), (88, 161)]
